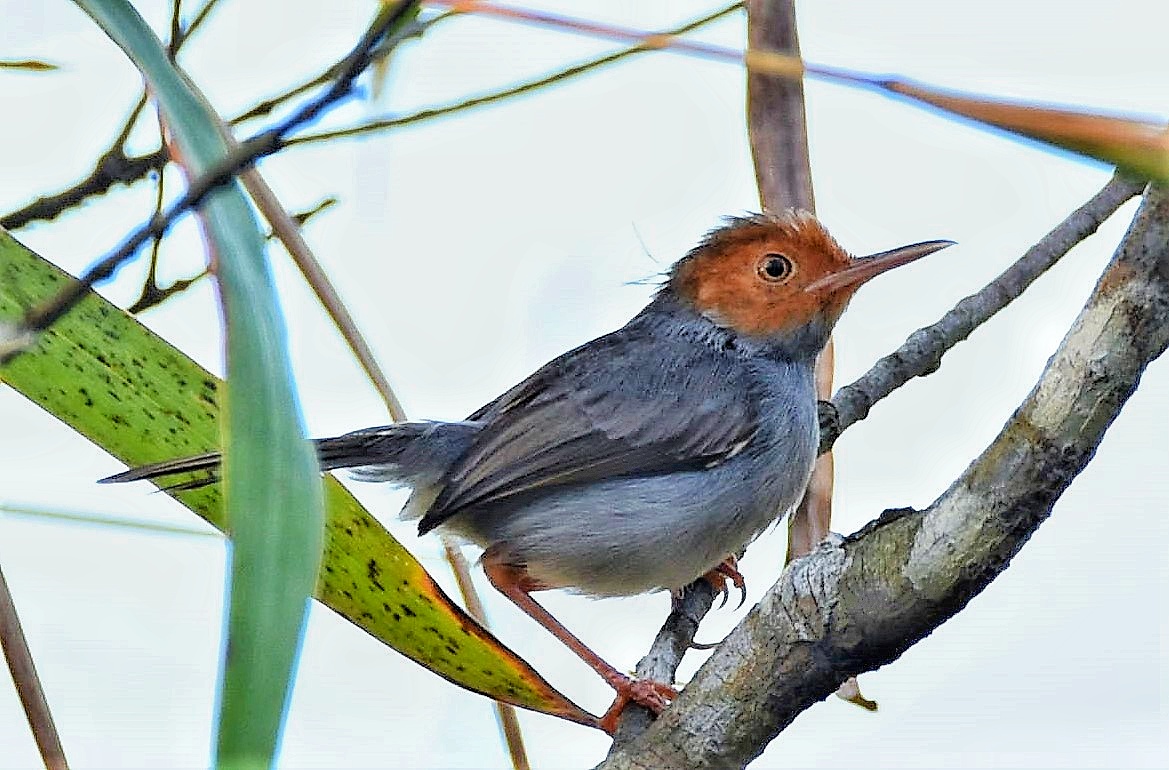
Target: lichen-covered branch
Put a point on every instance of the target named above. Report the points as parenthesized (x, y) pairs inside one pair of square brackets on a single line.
[(920, 355), (857, 603)]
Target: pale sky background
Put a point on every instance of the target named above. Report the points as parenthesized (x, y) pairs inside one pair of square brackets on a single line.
[(475, 248)]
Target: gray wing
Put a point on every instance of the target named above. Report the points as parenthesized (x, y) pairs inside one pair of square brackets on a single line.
[(625, 404)]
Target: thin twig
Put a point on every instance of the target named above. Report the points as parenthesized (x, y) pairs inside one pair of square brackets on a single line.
[(28, 684), (286, 230), (113, 166), (176, 29), (507, 93), (765, 61), (265, 107), (778, 136), (151, 294), (102, 520), (245, 156), (509, 723), (200, 16), (778, 128), (922, 352)]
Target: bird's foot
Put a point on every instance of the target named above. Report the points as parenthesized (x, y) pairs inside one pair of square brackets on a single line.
[(727, 572), (647, 693)]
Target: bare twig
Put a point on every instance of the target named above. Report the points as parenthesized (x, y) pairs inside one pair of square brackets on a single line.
[(778, 127), (28, 65), (113, 166), (151, 294), (507, 93), (379, 54), (288, 232), (102, 520), (922, 352), (509, 724), (176, 28), (857, 603), (776, 118), (247, 153), (28, 684)]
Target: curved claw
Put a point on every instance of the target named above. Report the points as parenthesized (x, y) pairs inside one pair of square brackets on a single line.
[(728, 572)]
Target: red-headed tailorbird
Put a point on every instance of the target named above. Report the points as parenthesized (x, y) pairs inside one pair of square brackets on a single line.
[(649, 457)]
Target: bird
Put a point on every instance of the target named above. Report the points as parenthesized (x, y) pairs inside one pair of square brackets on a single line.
[(648, 457)]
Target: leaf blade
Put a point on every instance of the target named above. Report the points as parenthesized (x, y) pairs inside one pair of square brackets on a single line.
[(129, 391)]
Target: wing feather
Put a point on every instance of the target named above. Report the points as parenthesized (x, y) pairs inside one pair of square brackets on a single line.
[(629, 403)]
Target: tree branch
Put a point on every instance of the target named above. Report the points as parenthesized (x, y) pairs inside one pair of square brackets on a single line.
[(857, 603), (113, 166), (922, 352), (913, 359), (241, 157)]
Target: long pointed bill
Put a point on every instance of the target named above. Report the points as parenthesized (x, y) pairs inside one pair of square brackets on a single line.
[(864, 268)]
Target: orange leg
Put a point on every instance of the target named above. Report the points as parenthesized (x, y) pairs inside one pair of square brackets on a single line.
[(515, 583)]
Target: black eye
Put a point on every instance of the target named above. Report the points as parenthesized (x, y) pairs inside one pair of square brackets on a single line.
[(775, 268)]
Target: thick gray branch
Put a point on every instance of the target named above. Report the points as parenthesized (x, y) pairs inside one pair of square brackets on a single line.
[(856, 604), (920, 355)]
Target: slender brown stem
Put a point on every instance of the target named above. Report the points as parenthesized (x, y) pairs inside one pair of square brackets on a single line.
[(28, 684), (242, 157), (509, 723), (285, 228), (507, 93)]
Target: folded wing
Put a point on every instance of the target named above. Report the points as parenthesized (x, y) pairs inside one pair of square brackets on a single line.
[(627, 404)]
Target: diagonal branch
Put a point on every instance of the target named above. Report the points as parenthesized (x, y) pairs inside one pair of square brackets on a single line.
[(909, 361), (28, 684), (244, 156), (113, 166), (857, 603), (520, 89), (922, 352)]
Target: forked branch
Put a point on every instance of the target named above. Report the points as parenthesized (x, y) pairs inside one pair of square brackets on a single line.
[(857, 603)]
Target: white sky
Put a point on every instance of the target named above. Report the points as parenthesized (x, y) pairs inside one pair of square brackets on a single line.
[(474, 249)]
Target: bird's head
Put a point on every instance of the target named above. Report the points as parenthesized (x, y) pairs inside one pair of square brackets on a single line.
[(779, 277)]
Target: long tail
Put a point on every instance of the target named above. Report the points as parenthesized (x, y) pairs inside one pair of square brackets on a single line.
[(405, 453)]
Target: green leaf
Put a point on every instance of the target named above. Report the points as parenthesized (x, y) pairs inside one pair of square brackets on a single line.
[(275, 505), (126, 389)]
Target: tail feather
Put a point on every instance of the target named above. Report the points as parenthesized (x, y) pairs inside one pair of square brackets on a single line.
[(406, 453), (203, 462)]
